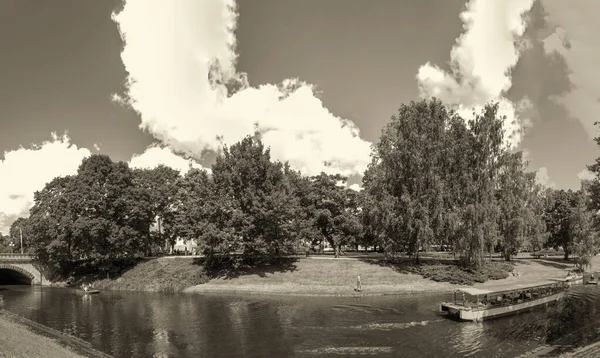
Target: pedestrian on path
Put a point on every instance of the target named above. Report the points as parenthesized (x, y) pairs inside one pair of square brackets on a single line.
[(358, 284)]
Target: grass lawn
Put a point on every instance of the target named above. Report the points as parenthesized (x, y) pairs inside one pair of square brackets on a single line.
[(337, 277), (327, 276), (17, 341), (165, 274)]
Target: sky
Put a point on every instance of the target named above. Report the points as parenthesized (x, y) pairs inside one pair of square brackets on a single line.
[(319, 79)]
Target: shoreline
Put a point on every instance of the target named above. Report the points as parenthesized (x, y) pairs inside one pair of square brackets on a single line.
[(48, 341), (327, 277), (312, 291)]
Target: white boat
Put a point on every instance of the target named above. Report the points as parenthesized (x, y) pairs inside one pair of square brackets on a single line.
[(477, 304), (88, 290), (570, 280)]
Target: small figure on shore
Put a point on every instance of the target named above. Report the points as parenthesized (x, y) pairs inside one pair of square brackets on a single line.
[(358, 284)]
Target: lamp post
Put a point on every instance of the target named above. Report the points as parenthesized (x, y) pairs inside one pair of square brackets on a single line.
[(21, 235), (12, 247)]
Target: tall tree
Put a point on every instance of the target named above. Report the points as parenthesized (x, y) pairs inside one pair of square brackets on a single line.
[(19, 234), (255, 200), (196, 206), (582, 232), (405, 172), (519, 206), (558, 219), (336, 211), (51, 223), (158, 186), (107, 223)]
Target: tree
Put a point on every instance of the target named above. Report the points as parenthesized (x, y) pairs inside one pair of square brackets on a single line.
[(195, 207), (536, 229), (558, 219), (406, 172), (584, 238), (335, 211), (253, 211), (156, 190), (51, 224), (519, 202), (19, 234), (480, 216), (108, 221)]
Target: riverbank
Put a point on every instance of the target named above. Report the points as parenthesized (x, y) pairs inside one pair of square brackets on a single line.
[(313, 276), (163, 274), (319, 276), (20, 337)]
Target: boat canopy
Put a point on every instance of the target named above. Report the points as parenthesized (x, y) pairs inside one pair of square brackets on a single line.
[(473, 291)]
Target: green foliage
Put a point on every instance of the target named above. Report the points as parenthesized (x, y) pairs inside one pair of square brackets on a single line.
[(457, 274), (158, 275), (434, 179), (438, 179)]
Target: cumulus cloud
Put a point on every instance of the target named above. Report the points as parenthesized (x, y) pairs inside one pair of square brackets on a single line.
[(542, 178), (575, 38), (481, 61), (24, 171), (155, 155), (355, 187), (180, 56), (586, 175)]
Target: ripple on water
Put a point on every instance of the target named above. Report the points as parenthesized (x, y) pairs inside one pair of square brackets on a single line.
[(346, 350)]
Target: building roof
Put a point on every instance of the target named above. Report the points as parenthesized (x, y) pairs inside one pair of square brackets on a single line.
[(505, 287)]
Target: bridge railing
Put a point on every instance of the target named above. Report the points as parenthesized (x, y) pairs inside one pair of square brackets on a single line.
[(15, 257)]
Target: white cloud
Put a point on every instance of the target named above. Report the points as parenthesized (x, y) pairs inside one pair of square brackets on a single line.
[(168, 50), (586, 175), (355, 187), (576, 39), (542, 178), (24, 171), (154, 156), (481, 61)]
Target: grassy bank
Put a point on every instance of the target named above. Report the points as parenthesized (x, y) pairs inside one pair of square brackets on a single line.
[(337, 277), (326, 276), (165, 274), (22, 338)]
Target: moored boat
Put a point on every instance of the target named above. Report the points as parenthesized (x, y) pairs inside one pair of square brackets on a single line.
[(91, 292), (87, 289), (477, 304)]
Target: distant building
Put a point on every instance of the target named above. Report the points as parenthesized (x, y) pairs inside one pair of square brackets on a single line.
[(181, 244), (185, 246)]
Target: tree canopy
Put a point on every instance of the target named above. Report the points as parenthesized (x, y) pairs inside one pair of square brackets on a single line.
[(435, 179)]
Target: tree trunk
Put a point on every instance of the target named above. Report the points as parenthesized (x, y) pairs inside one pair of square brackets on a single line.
[(148, 243)]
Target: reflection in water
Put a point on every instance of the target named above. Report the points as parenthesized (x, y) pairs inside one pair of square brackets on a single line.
[(576, 319), (131, 324)]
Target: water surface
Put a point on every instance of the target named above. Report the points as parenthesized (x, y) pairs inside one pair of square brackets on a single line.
[(135, 324)]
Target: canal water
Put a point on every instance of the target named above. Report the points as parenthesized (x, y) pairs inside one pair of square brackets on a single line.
[(134, 324)]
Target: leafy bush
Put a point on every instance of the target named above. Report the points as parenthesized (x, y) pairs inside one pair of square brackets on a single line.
[(457, 274)]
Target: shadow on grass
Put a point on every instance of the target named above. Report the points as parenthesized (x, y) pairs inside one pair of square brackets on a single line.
[(451, 271), (555, 262), (227, 269)]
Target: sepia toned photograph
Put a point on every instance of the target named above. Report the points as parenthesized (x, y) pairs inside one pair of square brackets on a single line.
[(299, 178)]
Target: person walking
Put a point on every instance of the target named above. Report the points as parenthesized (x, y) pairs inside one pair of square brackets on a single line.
[(358, 284)]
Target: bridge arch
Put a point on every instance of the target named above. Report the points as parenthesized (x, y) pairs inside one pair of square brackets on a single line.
[(20, 270), (24, 265)]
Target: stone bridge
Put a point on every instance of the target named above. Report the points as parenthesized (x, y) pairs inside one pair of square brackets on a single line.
[(22, 266)]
